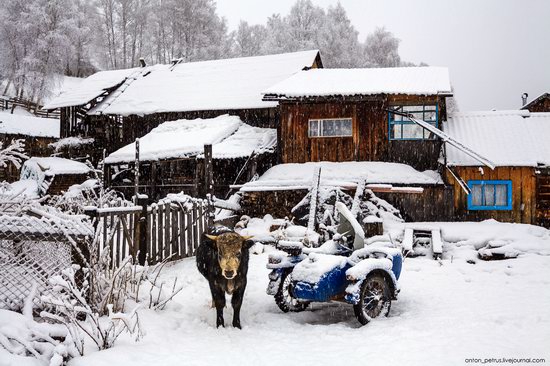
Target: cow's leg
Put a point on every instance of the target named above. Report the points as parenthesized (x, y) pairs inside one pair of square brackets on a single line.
[(236, 302), (218, 296)]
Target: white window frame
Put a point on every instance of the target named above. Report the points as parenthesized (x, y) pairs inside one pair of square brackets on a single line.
[(321, 122)]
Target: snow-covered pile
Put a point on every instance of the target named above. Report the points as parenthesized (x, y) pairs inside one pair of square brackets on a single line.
[(228, 135), (71, 142), (26, 342), (19, 124), (347, 174), (25, 187), (348, 82), (488, 238)]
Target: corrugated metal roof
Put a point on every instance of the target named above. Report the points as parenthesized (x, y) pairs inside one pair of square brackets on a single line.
[(507, 138), (349, 82)]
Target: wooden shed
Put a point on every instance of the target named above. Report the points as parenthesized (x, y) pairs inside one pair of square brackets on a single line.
[(343, 115), (518, 189), (54, 175), (37, 133), (171, 157)]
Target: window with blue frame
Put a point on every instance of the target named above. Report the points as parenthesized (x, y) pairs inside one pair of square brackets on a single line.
[(402, 128), (490, 195)]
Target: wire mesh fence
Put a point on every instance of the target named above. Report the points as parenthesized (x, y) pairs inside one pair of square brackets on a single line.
[(34, 249)]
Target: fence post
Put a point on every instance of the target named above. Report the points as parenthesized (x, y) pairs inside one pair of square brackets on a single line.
[(136, 174), (142, 232)]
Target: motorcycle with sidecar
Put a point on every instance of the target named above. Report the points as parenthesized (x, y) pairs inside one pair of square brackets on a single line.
[(342, 269)]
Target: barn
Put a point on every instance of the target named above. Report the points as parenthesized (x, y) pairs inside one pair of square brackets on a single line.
[(116, 107), (518, 144), (172, 159)]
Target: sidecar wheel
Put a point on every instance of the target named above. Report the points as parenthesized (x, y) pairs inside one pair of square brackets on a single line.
[(283, 297), (374, 299)]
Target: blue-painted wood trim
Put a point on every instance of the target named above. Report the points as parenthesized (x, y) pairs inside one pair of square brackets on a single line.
[(507, 183)]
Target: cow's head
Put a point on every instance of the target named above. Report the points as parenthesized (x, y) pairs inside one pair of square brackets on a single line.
[(230, 248)]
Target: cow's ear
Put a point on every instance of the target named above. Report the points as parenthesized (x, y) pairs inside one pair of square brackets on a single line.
[(210, 240)]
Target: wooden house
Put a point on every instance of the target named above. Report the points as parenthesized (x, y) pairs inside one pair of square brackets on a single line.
[(171, 157), (37, 133), (116, 107), (343, 114), (539, 104), (518, 144)]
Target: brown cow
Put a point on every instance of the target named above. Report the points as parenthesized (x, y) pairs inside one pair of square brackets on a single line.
[(223, 260)]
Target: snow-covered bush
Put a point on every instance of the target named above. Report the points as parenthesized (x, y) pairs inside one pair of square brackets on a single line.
[(14, 153), (72, 309)]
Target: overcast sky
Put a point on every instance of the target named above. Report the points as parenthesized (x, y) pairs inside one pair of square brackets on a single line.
[(495, 49)]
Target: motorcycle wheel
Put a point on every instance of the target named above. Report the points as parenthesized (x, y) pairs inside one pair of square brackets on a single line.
[(284, 299), (374, 299)]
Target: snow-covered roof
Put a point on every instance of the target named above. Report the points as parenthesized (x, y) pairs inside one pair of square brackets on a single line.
[(225, 84), (348, 82), (17, 124), (90, 88), (507, 138), (300, 175), (228, 135), (51, 166)]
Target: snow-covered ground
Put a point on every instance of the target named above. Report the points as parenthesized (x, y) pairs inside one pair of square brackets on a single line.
[(447, 312)]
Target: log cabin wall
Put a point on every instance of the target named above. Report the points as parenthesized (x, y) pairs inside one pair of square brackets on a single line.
[(543, 197), (370, 132), (524, 209)]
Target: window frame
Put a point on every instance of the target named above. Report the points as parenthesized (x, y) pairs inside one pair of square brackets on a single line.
[(392, 121), (483, 183), (320, 127)]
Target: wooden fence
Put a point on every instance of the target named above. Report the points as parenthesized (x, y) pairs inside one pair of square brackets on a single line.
[(167, 230), (10, 104)]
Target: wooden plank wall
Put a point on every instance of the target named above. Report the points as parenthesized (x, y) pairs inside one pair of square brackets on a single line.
[(433, 204), (369, 140), (543, 197), (523, 194)]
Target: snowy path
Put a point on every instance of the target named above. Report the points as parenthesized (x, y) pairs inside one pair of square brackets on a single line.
[(445, 313)]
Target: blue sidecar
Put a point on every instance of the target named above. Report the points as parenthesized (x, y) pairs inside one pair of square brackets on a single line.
[(365, 277)]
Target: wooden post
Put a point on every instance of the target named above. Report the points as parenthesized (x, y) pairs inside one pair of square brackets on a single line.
[(136, 174), (208, 170), (209, 183), (142, 232)]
